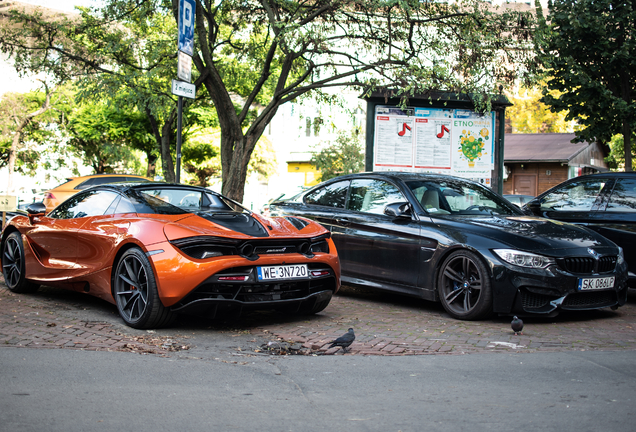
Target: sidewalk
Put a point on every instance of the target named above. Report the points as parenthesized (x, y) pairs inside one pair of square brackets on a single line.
[(384, 325)]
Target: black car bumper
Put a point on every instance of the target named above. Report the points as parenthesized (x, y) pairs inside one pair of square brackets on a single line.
[(546, 292)]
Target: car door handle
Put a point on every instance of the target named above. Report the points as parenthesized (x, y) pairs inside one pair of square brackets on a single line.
[(343, 221)]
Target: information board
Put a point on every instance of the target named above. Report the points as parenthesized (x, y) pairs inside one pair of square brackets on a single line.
[(448, 141)]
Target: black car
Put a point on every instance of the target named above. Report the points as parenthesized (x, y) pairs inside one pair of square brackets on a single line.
[(603, 202), (452, 240)]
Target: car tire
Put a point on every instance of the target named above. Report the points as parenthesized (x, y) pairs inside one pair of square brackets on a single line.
[(464, 286), (13, 265), (318, 306), (135, 292)]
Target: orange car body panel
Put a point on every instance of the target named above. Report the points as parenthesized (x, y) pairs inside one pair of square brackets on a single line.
[(87, 249)]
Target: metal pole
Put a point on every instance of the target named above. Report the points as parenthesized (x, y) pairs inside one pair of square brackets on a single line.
[(500, 149), (179, 125)]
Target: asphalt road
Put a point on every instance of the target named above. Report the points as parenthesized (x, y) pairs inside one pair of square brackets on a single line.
[(67, 363), (72, 390)]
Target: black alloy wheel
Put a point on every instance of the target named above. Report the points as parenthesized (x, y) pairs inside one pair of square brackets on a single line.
[(13, 267), (464, 286), (135, 292)]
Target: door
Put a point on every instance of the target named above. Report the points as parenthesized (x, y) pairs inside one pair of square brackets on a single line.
[(55, 239), (525, 184), (616, 220), (378, 247)]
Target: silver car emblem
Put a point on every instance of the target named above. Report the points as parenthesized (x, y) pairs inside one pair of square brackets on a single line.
[(593, 253)]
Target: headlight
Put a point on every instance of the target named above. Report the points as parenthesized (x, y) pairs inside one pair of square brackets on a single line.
[(524, 259), (621, 256)]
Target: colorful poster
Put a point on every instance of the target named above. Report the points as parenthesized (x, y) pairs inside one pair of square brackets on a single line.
[(447, 141)]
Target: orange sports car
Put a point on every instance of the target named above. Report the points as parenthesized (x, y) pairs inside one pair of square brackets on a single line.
[(158, 249)]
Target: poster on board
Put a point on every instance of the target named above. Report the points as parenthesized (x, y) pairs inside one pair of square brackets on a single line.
[(457, 142)]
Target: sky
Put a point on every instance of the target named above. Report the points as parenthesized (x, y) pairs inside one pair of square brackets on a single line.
[(65, 5)]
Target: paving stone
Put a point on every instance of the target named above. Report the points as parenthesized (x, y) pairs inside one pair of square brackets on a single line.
[(384, 325)]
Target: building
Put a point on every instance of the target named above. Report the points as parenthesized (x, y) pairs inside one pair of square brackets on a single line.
[(533, 163)]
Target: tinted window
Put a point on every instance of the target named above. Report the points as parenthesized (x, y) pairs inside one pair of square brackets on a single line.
[(371, 196), (124, 206), (579, 195), (332, 195), (94, 203), (623, 197), (460, 198)]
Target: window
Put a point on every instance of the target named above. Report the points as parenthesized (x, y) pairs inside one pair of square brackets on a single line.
[(332, 195), (457, 197), (623, 197), (372, 196), (576, 196), (94, 203)]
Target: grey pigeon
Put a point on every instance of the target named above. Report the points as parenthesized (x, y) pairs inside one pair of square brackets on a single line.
[(344, 341), (517, 325)]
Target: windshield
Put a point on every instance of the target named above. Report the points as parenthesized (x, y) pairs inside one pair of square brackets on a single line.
[(457, 197), (179, 201)]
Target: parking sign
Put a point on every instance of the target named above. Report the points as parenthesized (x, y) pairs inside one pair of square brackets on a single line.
[(186, 26)]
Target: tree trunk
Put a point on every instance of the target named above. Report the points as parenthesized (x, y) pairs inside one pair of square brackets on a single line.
[(627, 144), (20, 125), (166, 157), (152, 165), (163, 140), (12, 155)]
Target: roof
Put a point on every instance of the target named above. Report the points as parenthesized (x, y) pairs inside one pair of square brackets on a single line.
[(541, 147)]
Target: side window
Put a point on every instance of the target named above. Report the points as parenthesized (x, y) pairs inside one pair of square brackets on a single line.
[(576, 196), (125, 206), (333, 195), (371, 196), (623, 197), (93, 203)]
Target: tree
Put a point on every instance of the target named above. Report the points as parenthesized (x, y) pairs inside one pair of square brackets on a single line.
[(22, 118), (529, 115), (103, 136), (616, 158), (264, 53), (588, 52), (345, 156)]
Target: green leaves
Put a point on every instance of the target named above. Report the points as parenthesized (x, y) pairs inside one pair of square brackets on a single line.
[(588, 51), (345, 156)]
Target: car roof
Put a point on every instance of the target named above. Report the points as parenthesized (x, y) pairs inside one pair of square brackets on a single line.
[(400, 175), (607, 174)]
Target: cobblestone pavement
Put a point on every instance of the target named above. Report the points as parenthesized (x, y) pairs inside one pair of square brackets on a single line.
[(385, 324)]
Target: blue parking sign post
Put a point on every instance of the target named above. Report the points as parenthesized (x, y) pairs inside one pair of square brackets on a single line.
[(186, 26), (186, 46)]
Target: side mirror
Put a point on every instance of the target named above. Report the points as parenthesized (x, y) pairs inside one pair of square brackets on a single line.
[(35, 210), (398, 210), (532, 207)]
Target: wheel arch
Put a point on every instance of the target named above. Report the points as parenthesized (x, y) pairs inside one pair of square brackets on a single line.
[(122, 250), (456, 248)]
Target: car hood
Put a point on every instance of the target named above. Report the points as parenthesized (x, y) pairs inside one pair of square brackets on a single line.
[(530, 233)]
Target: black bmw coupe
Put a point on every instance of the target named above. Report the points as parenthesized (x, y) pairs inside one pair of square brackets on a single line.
[(455, 241)]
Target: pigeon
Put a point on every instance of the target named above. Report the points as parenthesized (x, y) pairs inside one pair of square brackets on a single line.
[(517, 325), (344, 341)]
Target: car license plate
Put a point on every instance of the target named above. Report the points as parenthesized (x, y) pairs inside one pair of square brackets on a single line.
[(292, 271), (596, 283)]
